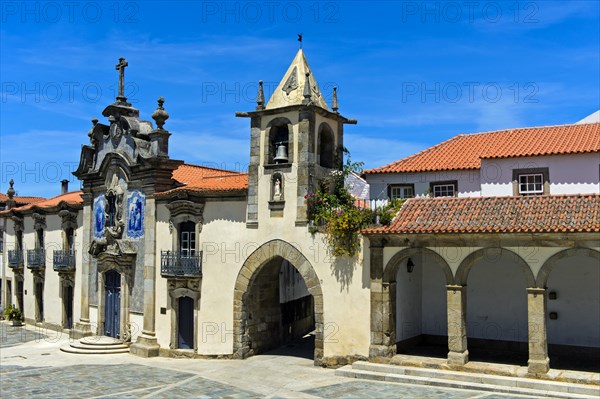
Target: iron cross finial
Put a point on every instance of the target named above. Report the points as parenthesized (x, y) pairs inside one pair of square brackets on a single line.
[(121, 68)]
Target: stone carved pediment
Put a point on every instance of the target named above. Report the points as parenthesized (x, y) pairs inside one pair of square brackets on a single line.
[(69, 219), (17, 223), (183, 210), (39, 221), (180, 207), (184, 287)]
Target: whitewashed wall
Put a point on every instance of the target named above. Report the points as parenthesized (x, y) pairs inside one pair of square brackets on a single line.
[(569, 174), (497, 300), (420, 301), (468, 182), (227, 243), (576, 282)]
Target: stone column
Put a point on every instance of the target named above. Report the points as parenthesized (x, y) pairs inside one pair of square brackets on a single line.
[(458, 354), (83, 328), (146, 344), (538, 363), (382, 344)]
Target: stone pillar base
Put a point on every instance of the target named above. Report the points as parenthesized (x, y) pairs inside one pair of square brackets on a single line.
[(81, 329), (145, 347), (538, 366), (458, 358), (382, 351)]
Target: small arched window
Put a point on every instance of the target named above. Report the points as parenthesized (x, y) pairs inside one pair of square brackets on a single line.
[(326, 147)]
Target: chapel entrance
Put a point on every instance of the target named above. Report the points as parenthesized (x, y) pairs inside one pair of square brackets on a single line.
[(112, 304)]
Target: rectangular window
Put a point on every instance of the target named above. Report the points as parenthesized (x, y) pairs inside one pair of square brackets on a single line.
[(399, 192), (443, 190), (531, 184), (531, 181), (187, 238)]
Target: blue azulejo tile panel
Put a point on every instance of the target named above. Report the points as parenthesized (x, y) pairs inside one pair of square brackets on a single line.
[(135, 214), (99, 204)]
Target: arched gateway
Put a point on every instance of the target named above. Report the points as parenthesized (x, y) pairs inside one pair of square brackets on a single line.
[(257, 317)]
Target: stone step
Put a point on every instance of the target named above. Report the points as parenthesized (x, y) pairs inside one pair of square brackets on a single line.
[(96, 345), (518, 382), (465, 380), (70, 349), (86, 346), (100, 340)]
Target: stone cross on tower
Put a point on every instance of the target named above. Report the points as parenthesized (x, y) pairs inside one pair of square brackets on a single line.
[(121, 68)]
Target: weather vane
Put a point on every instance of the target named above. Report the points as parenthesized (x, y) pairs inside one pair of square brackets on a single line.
[(300, 39)]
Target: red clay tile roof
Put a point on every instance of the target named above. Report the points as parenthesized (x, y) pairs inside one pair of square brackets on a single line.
[(21, 200), (465, 151), (73, 199), (203, 179), (534, 214)]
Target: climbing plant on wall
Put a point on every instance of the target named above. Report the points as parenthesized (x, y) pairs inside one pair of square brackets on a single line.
[(332, 210)]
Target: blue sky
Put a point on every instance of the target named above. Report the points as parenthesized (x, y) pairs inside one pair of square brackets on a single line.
[(412, 73)]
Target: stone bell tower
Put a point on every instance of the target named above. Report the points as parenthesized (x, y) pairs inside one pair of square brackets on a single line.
[(295, 141)]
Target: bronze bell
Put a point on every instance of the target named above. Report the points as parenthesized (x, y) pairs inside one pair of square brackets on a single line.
[(281, 156)]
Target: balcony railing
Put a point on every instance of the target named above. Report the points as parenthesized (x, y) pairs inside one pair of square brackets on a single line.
[(176, 264), (63, 261), (15, 258), (36, 258)]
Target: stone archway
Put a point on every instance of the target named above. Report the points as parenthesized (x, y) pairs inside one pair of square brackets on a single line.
[(494, 283), (395, 328), (247, 276), (570, 281), (462, 273), (546, 269)]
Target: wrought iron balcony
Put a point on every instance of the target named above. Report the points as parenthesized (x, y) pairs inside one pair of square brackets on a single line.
[(176, 264), (63, 261), (36, 258), (15, 259)]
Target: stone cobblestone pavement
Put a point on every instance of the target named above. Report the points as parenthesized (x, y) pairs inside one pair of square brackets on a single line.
[(32, 366)]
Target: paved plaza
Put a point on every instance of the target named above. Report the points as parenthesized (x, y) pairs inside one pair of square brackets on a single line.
[(31, 365)]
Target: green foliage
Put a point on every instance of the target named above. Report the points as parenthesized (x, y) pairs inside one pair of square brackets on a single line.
[(332, 207), (387, 213), (13, 313)]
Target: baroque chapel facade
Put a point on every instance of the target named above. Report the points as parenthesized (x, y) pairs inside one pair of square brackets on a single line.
[(176, 259)]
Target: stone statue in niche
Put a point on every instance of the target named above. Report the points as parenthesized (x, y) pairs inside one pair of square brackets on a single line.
[(277, 195)]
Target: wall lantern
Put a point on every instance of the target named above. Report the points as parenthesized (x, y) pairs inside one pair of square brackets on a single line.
[(552, 295), (410, 266)]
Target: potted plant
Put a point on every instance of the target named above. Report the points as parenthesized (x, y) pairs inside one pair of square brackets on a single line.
[(12, 313)]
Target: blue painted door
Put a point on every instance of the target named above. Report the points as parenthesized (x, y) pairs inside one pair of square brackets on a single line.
[(186, 323), (112, 301)]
